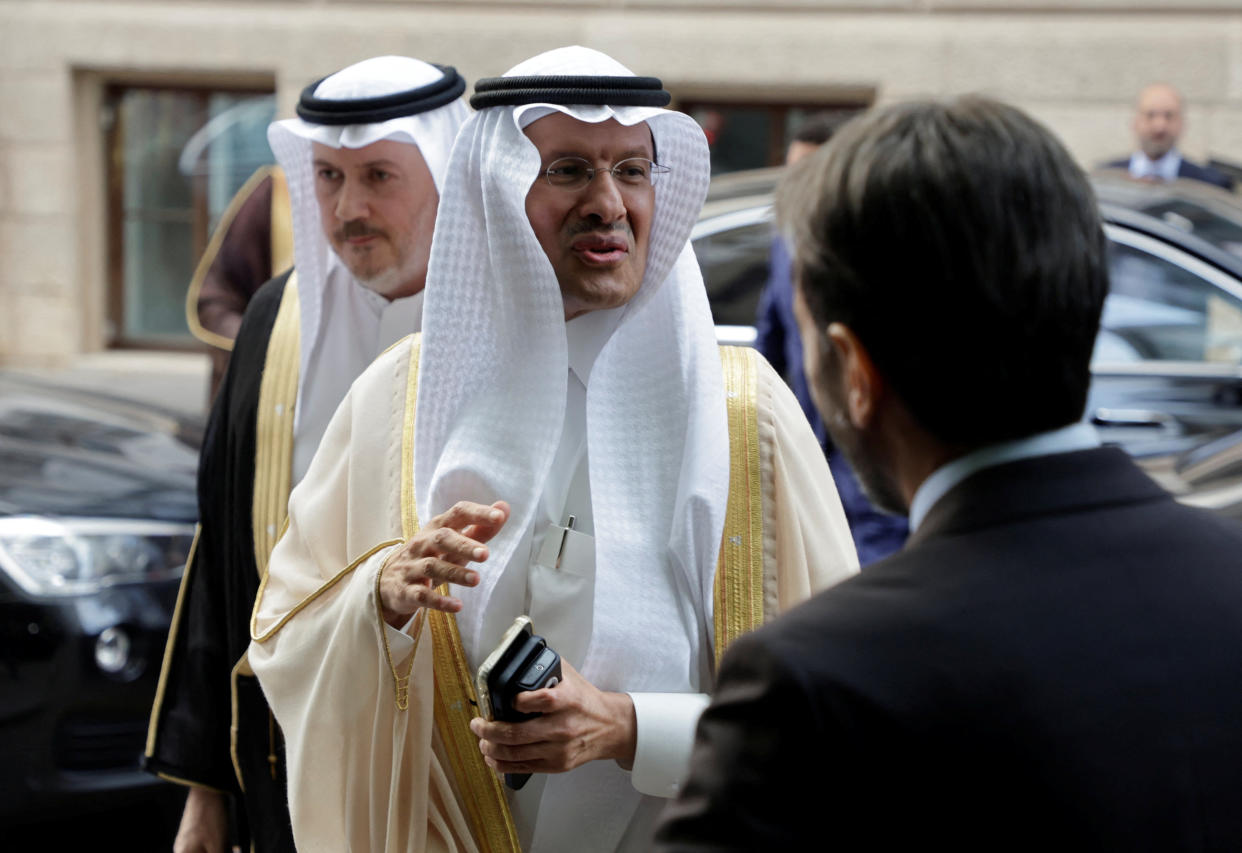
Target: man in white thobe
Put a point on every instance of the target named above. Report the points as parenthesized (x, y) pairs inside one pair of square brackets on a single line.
[(568, 370), (364, 159)]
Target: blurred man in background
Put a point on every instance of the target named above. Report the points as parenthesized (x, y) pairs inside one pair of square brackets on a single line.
[(252, 244), (876, 534), (1158, 122)]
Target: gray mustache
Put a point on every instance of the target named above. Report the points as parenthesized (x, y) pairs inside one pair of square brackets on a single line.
[(357, 228)]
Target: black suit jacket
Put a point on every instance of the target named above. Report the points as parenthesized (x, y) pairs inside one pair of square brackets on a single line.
[(1187, 169), (1054, 662)]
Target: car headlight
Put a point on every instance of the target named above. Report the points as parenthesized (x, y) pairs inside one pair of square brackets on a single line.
[(61, 557)]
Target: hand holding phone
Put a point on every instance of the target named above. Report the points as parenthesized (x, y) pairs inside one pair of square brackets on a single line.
[(521, 662)]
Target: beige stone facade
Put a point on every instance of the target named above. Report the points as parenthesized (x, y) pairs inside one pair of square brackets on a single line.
[(1076, 65)]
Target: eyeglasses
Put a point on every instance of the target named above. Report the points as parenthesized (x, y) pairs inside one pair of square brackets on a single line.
[(574, 173)]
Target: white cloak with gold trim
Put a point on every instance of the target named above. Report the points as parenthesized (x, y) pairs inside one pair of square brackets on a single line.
[(368, 774)]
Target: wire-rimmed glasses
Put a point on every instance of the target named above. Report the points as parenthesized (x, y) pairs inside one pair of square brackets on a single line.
[(574, 173)]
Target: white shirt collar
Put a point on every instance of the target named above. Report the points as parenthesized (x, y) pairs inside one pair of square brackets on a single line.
[(407, 309), (1142, 166), (358, 325), (1077, 436)]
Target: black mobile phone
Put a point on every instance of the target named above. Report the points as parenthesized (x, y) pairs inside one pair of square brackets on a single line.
[(522, 661)]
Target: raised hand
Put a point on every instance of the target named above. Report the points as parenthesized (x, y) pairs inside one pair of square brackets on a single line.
[(438, 554)]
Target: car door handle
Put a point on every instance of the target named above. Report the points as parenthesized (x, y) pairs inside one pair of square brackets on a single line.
[(1131, 418)]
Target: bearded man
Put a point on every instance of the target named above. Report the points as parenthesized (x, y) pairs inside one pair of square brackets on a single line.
[(365, 161), (565, 441)]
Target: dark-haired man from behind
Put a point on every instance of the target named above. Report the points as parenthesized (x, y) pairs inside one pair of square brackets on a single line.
[(1054, 661)]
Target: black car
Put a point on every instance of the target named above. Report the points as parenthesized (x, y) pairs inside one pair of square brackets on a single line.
[(1167, 369), (97, 516)]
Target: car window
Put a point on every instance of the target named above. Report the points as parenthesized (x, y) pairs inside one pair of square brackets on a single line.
[(1160, 311), (735, 267), (1195, 218)]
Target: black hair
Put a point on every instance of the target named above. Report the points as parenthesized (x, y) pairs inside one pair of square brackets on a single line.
[(817, 129), (963, 246)]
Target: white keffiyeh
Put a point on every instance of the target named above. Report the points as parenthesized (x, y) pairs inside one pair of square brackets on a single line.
[(432, 131), (492, 393)]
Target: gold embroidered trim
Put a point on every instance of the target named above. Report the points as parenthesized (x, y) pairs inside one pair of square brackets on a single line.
[(456, 704), (482, 796), (166, 665), (409, 504), (738, 588), (233, 725), (282, 223), (409, 526), (297, 608), (188, 783), (401, 683), (213, 249), (273, 447), (242, 667)]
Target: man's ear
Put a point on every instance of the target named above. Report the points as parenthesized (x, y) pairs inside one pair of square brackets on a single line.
[(861, 382)]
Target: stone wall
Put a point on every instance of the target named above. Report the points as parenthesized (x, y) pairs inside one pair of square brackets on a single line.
[(1075, 65)]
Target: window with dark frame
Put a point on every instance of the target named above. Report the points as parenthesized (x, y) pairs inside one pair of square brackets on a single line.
[(752, 135), (175, 158)]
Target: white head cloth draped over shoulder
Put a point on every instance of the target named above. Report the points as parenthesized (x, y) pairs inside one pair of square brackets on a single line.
[(432, 130), (492, 391)]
